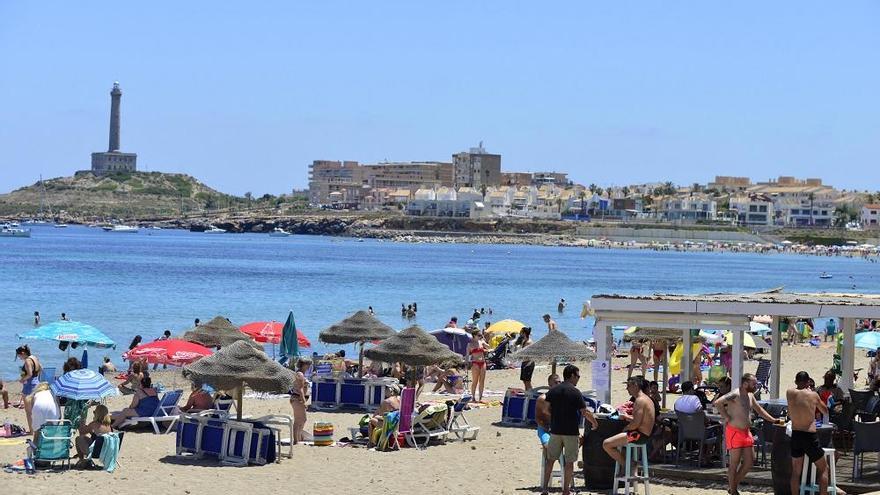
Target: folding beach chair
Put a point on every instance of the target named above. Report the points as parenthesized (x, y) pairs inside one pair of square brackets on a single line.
[(166, 411), (407, 408), (763, 374), (458, 424), (54, 440), (429, 424)]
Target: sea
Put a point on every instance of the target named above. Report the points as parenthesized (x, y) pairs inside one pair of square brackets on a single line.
[(142, 284)]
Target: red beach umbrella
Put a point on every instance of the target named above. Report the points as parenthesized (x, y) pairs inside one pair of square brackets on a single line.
[(270, 332), (170, 351)]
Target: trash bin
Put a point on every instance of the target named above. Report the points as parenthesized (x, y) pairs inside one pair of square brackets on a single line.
[(598, 467)]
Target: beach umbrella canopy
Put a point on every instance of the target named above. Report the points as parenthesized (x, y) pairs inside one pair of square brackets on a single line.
[(506, 326), (82, 384), (240, 364), (455, 339), (269, 332), (289, 337), (652, 333), (759, 328), (868, 340), (553, 347), (175, 352), (69, 331), (359, 327), (219, 332), (413, 347), (748, 340)]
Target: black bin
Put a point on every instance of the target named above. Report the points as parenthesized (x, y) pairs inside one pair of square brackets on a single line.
[(598, 467)]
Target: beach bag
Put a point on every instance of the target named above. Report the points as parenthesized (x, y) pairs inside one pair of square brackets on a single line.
[(364, 425), (323, 434)]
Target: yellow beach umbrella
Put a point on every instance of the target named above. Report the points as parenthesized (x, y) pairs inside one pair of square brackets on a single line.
[(505, 326), (748, 341)]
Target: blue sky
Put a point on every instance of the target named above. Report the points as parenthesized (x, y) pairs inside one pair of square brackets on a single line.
[(244, 96)]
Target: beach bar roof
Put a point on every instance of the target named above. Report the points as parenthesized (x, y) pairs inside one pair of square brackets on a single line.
[(731, 311)]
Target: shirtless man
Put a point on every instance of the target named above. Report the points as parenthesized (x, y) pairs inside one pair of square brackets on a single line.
[(802, 406), (641, 425), (542, 415), (551, 325), (736, 408)]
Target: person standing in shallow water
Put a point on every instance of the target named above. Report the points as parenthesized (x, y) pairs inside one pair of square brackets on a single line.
[(36, 318), (551, 325)]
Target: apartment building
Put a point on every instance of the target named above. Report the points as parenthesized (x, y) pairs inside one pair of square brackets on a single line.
[(870, 216), (476, 168), (753, 209)]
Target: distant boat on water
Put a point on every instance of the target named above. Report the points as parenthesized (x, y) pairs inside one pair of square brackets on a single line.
[(125, 229), (278, 232), (60, 225), (7, 230), (215, 230), (826, 275)]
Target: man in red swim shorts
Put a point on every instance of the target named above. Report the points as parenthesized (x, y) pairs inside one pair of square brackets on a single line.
[(736, 408)]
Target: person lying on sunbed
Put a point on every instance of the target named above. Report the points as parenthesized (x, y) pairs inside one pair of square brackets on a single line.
[(144, 403), (390, 404), (91, 431)]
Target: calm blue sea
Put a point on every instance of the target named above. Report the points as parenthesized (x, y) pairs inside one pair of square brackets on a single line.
[(128, 284)]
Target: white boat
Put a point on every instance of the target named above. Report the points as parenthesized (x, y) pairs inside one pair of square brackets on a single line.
[(278, 232), (155, 227), (107, 228), (14, 225), (826, 275), (126, 229), (215, 230), (60, 225), (14, 232)]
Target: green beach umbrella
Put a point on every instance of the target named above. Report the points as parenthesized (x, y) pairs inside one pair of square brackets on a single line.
[(289, 342)]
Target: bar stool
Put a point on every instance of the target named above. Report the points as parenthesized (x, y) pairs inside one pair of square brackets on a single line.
[(630, 480), (809, 470), (555, 474)]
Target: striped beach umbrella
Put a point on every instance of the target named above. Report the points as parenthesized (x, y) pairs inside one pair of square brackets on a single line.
[(83, 384)]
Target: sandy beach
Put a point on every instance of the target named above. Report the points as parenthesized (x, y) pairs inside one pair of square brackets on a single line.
[(502, 460)]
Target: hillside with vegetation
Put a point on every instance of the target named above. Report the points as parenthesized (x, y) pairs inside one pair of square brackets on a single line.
[(139, 195)]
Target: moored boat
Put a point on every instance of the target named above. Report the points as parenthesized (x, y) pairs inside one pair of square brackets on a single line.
[(278, 232)]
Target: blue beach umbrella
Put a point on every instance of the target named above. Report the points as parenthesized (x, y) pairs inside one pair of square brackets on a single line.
[(83, 384), (70, 331), (868, 340), (289, 342)]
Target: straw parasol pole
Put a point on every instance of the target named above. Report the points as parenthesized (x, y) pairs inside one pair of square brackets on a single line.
[(359, 328), (237, 365)]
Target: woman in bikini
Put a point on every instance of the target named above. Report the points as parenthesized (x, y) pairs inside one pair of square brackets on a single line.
[(299, 396), (476, 351), (636, 354), (659, 348), (30, 371)]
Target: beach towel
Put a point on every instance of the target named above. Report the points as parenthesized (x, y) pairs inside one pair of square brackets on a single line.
[(109, 451), (76, 410), (388, 430)]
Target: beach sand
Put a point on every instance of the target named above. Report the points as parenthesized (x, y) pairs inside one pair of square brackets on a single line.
[(501, 460)]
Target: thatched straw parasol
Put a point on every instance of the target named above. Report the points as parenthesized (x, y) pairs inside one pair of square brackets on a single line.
[(360, 327), (219, 332), (648, 333), (238, 364), (553, 347), (413, 347)]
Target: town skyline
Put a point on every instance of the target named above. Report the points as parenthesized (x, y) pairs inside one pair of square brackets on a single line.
[(609, 95)]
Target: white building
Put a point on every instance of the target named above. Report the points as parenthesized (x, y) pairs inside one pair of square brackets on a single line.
[(688, 208), (870, 216), (754, 209)]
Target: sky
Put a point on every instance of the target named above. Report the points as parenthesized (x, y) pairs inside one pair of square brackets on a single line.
[(244, 95)]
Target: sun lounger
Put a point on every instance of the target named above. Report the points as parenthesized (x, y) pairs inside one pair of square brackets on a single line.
[(277, 422), (458, 424), (54, 439), (429, 424), (166, 411), (200, 435)]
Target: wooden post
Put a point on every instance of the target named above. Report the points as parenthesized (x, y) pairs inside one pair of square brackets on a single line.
[(687, 360), (361, 361), (775, 357), (737, 354), (665, 371), (847, 353), (239, 398)]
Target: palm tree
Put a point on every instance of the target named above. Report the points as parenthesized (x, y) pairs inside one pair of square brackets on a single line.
[(625, 191), (668, 188), (593, 188)]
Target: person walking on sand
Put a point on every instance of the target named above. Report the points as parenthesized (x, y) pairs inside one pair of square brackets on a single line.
[(659, 347), (802, 406), (299, 396), (638, 430), (637, 354), (567, 407), (735, 409), (551, 325), (527, 367)]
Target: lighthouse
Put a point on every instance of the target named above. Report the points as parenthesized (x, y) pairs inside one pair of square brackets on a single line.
[(114, 160)]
